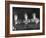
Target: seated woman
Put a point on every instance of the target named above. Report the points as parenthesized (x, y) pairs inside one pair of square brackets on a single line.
[(35, 19), (26, 21), (17, 21)]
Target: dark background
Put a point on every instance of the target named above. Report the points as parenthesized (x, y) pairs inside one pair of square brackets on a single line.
[(21, 11), (29, 11)]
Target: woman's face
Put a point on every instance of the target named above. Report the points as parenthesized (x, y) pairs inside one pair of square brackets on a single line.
[(34, 15), (16, 17), (26, 16)]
